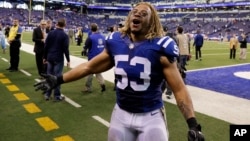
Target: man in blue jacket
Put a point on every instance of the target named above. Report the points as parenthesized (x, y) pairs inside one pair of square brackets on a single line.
[(198, 43), (56, 46)]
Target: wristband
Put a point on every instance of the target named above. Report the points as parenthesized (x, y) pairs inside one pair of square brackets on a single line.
[(192, 122)]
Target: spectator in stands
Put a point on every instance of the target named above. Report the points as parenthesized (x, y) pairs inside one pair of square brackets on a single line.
[(94, 45), (38, 37), (198, 43), (56, 46), (2, 39), (243, 47), (233, 46), (14, 41)]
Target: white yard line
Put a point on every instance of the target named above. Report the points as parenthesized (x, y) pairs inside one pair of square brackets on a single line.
[(70, 101), (25, 72), (5, 60), (225, 107), (101, 120)]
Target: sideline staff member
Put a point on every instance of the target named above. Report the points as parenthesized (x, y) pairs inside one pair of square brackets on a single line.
[(14, 40)]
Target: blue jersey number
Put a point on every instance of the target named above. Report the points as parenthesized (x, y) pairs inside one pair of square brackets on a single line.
[(144, 74)]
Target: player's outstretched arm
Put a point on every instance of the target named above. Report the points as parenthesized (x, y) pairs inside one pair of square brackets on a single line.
[(183, 99), (100, 63)]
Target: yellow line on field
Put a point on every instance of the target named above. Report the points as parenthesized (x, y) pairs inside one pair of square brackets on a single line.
[(5, 81), (31, 108), (12, 88), (64, 138), (47, 123), (2, 75), (21, 97)]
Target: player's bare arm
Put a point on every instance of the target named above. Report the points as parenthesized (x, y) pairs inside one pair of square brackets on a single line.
[(180, 91), (100, 63)]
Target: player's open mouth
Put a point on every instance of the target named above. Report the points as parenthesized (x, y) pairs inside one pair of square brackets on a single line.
[(136, 21)]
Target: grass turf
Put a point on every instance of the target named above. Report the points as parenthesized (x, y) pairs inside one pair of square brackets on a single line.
[(19, 125)]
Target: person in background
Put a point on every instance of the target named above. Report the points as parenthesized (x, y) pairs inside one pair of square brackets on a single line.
[(233, 44), (182, 41), (198, 43), (56, 46), (243, 47), (7, 31), (71, 35), (49, 26), (14, 41), (38, 37), (79, 36), (142, 58), (165, 87), (94, 45), (2, 39)]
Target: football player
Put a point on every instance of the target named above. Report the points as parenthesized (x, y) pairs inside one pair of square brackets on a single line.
[(142, 58)]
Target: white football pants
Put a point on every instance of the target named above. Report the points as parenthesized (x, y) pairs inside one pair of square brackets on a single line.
[(126, 126)]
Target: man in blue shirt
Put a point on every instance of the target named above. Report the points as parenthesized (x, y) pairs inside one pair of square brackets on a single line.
[(142, 58), (198, 43), (56, 46), (94, 45)]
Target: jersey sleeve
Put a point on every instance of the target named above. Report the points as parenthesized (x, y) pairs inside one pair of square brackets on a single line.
[(109, 41), (168, 47)]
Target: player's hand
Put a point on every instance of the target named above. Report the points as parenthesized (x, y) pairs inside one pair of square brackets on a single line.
[(195, 134), (49, 82)]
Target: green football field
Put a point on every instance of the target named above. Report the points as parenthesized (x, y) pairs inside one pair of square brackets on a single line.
[(26, 116)]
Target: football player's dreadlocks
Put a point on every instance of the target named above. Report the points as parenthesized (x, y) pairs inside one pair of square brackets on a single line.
[(155, 29)]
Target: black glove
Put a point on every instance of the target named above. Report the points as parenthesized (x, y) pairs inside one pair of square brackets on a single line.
[(49, 82), (194, 133), (84, 52)]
